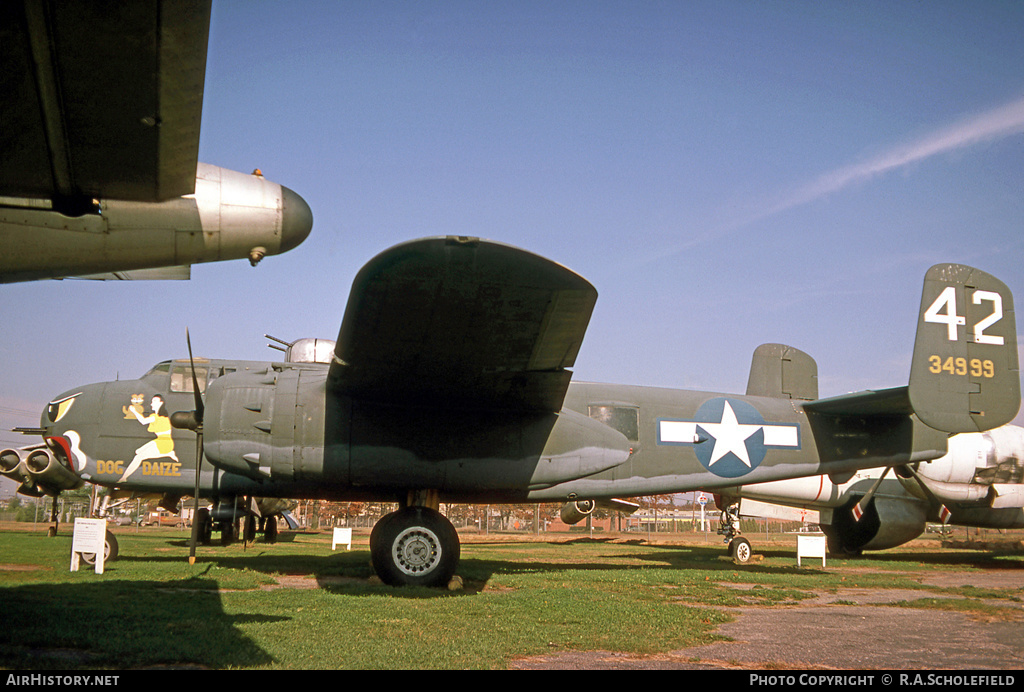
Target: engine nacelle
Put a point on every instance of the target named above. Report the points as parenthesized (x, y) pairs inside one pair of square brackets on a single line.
[(979, 468), (886, 523), (996, 456), (575, 512)]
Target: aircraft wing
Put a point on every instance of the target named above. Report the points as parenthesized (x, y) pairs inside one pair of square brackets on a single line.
[(462, 323), (101, 99)]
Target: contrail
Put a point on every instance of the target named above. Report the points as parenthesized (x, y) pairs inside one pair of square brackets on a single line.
[(998, 123), (1001, 122)]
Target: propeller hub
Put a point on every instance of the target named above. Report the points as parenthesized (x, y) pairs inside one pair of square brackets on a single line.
[(185, 420)]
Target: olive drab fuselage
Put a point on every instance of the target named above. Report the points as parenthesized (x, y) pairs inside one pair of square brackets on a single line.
[(274, 430)]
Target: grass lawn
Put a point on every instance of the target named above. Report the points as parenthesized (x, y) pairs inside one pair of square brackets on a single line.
[(298, 604)]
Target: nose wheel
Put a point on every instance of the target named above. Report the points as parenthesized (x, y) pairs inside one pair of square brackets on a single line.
[(729, 527), (740, 550), (414, 546)]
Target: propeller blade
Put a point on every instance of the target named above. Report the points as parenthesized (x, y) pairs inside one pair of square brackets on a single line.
[(198, 427), (195, 381), (195, 497), (861, 507)]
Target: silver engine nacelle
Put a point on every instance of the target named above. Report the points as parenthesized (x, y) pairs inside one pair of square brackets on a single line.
[(984, 469), (575, 512)]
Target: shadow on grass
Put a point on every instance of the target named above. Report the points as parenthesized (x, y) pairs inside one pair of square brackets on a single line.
[(123, 624), (349, 572)]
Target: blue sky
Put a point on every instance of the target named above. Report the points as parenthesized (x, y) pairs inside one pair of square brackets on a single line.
[(725, 173)]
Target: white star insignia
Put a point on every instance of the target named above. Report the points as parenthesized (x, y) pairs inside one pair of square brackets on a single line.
[(730, 436)]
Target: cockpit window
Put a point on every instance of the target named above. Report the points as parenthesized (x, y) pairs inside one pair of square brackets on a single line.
[(625, 419), (159, 368), (181, 377)]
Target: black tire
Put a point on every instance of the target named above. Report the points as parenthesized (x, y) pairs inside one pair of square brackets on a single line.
[(415, 546), (270, 530), (250, 529), (205, 526), (228, 532), (740, 550), (110, 550)]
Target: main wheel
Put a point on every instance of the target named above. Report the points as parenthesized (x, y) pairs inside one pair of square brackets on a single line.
[(414, 546), (249, 529), (110, 550), (228, 532), (270, 530), (741, 550), (205, 526)]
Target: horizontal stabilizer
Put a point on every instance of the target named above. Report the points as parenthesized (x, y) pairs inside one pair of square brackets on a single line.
[(883, 402)]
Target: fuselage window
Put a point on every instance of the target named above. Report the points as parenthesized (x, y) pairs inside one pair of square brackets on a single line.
[(625, 419)]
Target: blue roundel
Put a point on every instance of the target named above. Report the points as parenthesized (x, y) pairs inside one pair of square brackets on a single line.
[(735, 437)]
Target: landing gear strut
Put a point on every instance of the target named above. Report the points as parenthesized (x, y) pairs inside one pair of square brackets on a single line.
[(415, 546), (739, 547)]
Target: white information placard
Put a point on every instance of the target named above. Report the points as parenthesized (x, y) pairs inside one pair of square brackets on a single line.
[(90, 537), (811, 546), (342, 537)]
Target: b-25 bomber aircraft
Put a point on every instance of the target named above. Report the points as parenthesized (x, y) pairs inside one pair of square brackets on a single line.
[(99, 170), (979, 482), (450, 382)]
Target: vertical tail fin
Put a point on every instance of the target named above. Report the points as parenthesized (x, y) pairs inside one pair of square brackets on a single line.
[(964, 376)]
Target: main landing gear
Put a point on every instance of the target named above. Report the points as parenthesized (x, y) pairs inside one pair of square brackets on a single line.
[(739, 547), (234, 524), (415, 546)]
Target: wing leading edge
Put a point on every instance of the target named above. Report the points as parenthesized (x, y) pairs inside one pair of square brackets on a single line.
[(461, 322)]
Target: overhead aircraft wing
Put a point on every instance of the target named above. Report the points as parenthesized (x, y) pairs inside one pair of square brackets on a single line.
[(462, 323), (101, 99)]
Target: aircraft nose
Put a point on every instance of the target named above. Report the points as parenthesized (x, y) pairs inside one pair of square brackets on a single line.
[(296, 219)]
